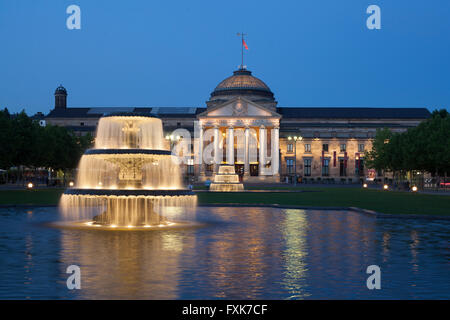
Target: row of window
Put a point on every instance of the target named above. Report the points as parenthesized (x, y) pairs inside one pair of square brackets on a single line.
[(343, 147), (359, 167)]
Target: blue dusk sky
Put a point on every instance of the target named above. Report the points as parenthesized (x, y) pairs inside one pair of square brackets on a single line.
[(173, 53)]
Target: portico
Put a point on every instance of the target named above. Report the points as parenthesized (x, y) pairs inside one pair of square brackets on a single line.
[(242, 133)]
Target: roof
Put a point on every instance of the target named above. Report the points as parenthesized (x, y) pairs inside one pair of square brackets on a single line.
[(285, 112), (61, 90), (353, 113), (166, 112), (242, 83)]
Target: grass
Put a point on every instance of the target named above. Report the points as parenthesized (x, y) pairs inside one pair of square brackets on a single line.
[(30, 197), (377, 200)]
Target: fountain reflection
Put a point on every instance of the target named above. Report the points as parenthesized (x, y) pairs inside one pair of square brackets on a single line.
[(131, 265)]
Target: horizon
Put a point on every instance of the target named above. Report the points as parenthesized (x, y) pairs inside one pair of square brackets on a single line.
[(310, 54)]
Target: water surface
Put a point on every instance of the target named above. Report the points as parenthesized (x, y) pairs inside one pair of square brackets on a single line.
[(242, 253)]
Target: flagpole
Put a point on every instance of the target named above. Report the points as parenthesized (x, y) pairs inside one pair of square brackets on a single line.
[(242, 48), (242, 51)]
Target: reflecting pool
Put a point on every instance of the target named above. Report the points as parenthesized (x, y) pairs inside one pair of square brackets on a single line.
[(238, 253)]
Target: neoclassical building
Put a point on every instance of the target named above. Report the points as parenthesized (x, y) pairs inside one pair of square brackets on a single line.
[(243, 125)]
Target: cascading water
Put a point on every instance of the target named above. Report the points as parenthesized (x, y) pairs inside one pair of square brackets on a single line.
[(128, 179), (226, 180)]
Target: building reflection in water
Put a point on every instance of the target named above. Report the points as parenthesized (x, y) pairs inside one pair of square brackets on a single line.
[(243, 256), (340, 247), (240, 255), (294, 230), (247, 253), (258, 253)]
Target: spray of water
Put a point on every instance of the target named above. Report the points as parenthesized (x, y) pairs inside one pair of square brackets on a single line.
[(128, 179)]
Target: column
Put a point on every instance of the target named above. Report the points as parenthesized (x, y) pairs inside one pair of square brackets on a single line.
[(262, 150), (276, 151), (230, 146), (217, 158), (200, 152), (246, 158)]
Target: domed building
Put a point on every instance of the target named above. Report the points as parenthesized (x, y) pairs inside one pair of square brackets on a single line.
[(241, 115), (242, 125)]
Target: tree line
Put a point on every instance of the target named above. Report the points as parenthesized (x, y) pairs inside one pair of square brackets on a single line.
[(422, 148), (24, 142)]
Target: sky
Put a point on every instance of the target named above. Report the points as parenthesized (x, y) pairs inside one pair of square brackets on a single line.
[(173, 53)]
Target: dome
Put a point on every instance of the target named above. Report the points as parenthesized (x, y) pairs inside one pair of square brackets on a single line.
[(242, 83), (61, 90)]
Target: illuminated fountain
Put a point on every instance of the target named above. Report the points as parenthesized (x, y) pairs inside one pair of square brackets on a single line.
[(226, 180), (128, 180)]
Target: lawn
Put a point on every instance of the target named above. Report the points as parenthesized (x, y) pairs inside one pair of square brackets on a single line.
[(381, 201), (30, 197), (377, 200)]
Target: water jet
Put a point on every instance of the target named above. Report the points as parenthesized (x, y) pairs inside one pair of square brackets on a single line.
[(128, 179)]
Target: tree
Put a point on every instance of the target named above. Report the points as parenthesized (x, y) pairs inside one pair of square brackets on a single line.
[(378, 157), (425, 147), (6, 143), (23, 142)]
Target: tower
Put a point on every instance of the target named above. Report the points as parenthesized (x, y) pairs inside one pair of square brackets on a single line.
[(60, 97)]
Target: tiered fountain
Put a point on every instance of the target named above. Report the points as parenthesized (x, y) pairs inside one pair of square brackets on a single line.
[(226, 180), (128, 180)]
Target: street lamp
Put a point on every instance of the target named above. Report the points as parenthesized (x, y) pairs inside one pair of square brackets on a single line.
[(295, 138), (172, 139)]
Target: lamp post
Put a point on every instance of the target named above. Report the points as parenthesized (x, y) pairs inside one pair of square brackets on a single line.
[(295, 138), (172, 140)]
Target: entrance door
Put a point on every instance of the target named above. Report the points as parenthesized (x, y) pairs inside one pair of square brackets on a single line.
[(239, 168), (254, 169)]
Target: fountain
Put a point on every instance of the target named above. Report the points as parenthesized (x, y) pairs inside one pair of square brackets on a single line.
[(226, 180), (128, 179)]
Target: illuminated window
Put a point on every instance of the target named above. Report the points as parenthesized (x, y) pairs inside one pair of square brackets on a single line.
[(361, 147), (307, 147), (290, 147), (359, 167), (290, 165), (190, 169), (326, 167), (307, 167)]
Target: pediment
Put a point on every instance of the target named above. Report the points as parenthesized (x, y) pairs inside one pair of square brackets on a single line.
[(239, 107)]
